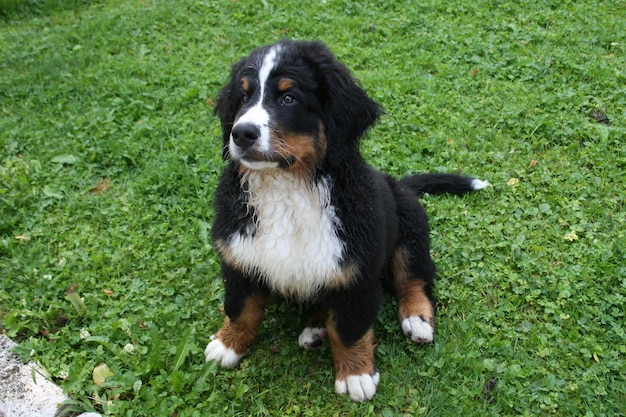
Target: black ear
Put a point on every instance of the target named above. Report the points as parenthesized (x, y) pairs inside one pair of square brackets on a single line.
[(348, 111), (228, 104)]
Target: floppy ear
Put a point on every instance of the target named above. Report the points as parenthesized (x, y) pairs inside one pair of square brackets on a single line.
[(228, 105), (348, 111)]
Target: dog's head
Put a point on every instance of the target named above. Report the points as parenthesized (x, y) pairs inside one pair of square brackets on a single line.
[(292, 105)]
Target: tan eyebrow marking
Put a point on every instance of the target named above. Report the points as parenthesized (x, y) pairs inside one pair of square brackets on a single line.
[(245, 84), (285, 84)]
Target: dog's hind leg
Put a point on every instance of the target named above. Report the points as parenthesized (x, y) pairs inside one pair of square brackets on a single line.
[(414, 273), (416, 305), (314, 334)]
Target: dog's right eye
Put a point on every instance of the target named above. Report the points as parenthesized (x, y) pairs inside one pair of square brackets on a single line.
[(287, 100), (244, 98)]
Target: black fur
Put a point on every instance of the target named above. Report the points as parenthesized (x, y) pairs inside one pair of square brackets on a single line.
[(438, 184)]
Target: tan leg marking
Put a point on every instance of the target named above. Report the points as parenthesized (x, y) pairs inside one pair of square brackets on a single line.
[(413, 301), (357, 359), (355, 373), (415, 311), (238, 335)]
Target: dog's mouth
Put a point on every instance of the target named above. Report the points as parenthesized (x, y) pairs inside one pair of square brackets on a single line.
[(255, 159), (258, 146), (256, 149)]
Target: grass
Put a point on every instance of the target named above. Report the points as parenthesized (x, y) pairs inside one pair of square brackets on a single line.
[(110, 155)]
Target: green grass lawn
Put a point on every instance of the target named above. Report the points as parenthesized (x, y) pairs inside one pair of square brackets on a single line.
[(109, 155)]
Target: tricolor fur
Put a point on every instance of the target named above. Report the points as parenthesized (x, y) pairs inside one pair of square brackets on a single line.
[(300, 215)]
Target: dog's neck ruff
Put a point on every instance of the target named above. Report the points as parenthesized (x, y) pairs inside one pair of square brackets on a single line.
[(293, 244)]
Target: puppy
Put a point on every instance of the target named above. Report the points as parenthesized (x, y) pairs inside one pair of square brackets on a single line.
[(300, 216)]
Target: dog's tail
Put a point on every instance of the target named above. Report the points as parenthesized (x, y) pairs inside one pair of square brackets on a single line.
[(442, 183)]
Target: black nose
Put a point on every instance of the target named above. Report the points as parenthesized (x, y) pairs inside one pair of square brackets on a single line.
[(245, 134)]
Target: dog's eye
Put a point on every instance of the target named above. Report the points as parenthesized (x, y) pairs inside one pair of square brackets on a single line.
[(287, 99), (244, 98)]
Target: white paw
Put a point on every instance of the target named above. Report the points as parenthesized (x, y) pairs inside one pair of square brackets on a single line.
[(358, 387), (418, 330), (312, 337), (216, 351), (478, 184)]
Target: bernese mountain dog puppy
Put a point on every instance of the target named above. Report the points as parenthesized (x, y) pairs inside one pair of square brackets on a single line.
[(300, 216)]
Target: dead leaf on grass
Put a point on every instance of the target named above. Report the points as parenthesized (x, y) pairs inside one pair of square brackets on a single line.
[(102, 186), (100, 373)]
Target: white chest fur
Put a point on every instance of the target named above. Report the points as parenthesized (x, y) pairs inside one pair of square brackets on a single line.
[(294, 247)]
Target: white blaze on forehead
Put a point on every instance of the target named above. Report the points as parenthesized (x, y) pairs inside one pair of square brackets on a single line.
[(269, 62), (257, 114)]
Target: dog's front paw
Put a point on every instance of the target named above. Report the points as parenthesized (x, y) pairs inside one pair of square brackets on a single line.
[(224, 356), (358, 387), (418, 330), (312, 338)]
